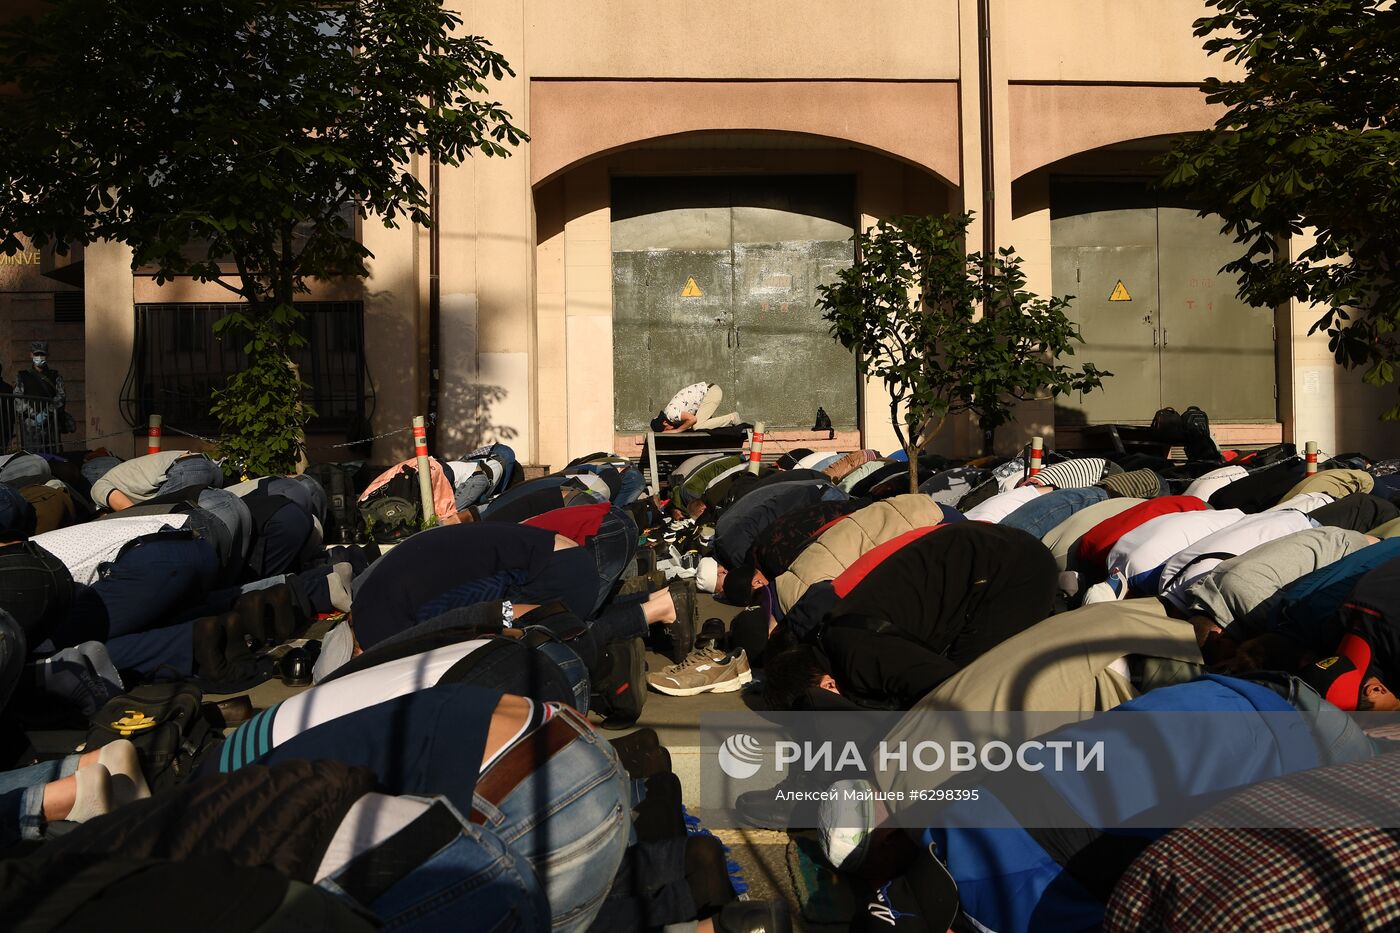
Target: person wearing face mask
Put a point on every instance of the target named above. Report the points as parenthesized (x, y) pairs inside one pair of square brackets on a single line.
[(39, 402)]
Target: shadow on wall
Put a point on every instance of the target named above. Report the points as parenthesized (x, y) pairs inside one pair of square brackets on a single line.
[(470, 406), (391, 387), (1070, 417)]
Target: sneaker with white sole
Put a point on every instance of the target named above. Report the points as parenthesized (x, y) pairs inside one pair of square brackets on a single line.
[(703, 671), (699, 655)]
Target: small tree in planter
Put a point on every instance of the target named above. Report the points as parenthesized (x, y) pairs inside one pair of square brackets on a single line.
[(909, 309)]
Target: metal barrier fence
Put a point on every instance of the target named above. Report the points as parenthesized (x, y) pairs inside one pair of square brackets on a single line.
[(32, 423)]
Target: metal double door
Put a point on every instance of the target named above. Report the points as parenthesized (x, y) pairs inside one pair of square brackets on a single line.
[(715, 279), (1154, 308)]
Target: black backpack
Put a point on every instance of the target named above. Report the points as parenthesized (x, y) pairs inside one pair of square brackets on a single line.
[(392, 511), (345, 524), (1168, 423), (167, 723), (620, 687), (1196, 436), (1268, 456)]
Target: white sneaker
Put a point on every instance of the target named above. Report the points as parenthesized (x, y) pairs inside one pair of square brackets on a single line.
[(703, 671)]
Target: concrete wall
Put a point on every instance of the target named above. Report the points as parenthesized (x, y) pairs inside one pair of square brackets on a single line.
[(644, 39), (110, 330), (1321, 401), (1105, 41), (888, 91)]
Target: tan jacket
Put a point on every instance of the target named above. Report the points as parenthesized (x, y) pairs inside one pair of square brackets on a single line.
[(1336, 483), (1065, 536), (1064, 664), (843, 543)]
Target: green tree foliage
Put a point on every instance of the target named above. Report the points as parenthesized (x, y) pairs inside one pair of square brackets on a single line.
[(949, 332), (1309, 141), (236, 142)]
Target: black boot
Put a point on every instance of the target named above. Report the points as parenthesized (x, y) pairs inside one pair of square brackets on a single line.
[(253, 626), (772, 809), (283, 612), (713, 634), (221, 654), (682, 631), (707, 874)]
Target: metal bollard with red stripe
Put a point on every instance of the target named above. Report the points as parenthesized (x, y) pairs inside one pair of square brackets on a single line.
[(1311, 457), (153, 425), (756, 448), (1037, 454), (425, 479)]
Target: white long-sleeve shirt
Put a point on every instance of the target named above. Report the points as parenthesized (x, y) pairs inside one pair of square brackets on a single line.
[(1247, 533), (1148, 546), (1003, 504)]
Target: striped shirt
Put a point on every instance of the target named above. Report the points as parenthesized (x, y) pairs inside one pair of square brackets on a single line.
[(340, 697), (1071, 474)]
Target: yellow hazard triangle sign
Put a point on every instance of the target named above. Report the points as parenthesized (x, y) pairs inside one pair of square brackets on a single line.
[(691, 290), (1120, 293)]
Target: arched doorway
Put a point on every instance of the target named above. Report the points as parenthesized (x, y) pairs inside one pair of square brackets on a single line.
[(756, 218), (716, 278), (1143, 270)]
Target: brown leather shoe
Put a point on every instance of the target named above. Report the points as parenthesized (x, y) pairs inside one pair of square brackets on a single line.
[(234, 710)]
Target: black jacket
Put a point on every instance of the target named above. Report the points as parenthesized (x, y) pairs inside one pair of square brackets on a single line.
[(281, 817), (933, 606)]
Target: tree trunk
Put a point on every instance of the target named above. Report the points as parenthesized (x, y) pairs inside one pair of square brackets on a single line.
[(913, 469)]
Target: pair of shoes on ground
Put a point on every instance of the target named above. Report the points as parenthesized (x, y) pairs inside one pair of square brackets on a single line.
[(228, 646), (273, 615)]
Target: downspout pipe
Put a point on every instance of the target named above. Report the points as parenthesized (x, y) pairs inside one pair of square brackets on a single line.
[(984, 101), (984, 81), (434, 306)]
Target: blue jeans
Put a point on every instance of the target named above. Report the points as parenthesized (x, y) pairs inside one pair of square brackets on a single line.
[(475, 882), (571, 666), (233, 515), (614, 547), (472, 490), (1040, 515), (191, 471), (506, 455), (621, 619), (22, 798), (94, 469), (320, 502), (570, 817), (633, 482), (633, 485)]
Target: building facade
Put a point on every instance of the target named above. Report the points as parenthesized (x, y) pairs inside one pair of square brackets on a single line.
[(696, 171)]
